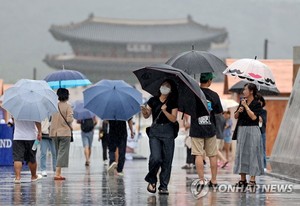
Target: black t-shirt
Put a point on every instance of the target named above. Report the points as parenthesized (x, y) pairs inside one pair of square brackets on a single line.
[(245, 120), (155, 105), (204, 127), (117, 128)]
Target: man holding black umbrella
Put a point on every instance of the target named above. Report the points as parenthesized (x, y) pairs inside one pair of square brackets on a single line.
[(203, 132)]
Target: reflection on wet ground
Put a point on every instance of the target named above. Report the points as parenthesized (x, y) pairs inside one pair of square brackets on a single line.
[(93, 186)]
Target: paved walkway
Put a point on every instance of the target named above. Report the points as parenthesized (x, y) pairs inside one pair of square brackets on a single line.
[(93, 186)]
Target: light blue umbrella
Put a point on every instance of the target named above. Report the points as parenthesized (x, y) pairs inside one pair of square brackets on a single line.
[(80, 112), (30, 100), (66, 79), (112, 100)]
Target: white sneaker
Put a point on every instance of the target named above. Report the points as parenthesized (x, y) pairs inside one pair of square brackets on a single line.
[(44, 173), (105, 162), (120, 174), (111, 168), (38, 178), (17, 181)]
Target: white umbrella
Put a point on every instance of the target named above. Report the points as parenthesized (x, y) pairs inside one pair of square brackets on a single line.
[(252, 70), (30, 100), (228, 103)]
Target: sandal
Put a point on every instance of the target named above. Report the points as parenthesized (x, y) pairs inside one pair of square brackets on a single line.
[(151, 187), (212, 185), (241, 183), (224, 165), (252, 183)]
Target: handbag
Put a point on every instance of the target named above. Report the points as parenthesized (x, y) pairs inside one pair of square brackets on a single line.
[(175, 126), (72, 139)]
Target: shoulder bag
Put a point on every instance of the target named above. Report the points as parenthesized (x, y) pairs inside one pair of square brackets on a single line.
[(175, 126)]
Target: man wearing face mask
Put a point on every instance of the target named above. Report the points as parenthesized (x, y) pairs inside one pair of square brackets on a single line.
[(203, 132), (164, 109)]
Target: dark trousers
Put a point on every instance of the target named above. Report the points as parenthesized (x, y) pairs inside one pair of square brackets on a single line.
[(115, 142), (190, 159), (161, 156), (104, 142)]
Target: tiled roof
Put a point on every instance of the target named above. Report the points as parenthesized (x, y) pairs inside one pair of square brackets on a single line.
[(139, 31), (282, 70)]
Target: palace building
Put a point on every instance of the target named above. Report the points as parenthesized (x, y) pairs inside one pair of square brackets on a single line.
[(106, 48)]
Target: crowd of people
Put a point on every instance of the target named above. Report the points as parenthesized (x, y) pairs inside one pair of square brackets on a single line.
[(207, 137)]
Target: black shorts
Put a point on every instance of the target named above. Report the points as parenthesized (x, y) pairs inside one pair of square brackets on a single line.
[(22, 151)]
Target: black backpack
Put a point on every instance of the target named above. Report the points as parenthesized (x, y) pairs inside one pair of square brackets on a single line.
[(87, 125)]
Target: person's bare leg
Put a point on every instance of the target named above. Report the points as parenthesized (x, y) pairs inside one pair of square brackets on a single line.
[(243, 176), (18, 168), (252, 178), (221, 157), (226, 148), (213, 168), (86, 154), (58, 172), (199, 166), (32, 168), (90, 152)]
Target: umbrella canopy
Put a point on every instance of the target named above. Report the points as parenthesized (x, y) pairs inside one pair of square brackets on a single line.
[(228, 103), (191, 99), (66, 79), (263, 90), (252, 70), (196, 62), (113, 100), (30, 100), (80, 112)]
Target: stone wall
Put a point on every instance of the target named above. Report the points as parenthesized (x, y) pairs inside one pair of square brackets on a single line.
[(285, 157)]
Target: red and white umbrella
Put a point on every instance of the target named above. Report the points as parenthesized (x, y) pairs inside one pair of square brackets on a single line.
[(252, 70)]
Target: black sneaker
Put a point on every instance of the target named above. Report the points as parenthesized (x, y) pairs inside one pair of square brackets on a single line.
[(163, 192)]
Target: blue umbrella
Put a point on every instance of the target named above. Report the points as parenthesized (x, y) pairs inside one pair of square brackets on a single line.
[(113, 100), (66, 79), (80, 112)]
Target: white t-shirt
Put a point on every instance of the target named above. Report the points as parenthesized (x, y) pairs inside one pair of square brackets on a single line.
[(25, 130)]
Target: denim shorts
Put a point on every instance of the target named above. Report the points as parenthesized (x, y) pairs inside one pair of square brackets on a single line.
[(87, 138), (227, 139)]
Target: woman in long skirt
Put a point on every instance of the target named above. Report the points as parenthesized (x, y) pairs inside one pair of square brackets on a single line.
[(249, 153)]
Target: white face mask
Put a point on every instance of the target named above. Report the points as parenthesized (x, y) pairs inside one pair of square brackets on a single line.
[(164, 90)]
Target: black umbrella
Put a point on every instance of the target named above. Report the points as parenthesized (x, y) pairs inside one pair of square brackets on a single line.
[(191, 99), (196, 62), (263, 90)]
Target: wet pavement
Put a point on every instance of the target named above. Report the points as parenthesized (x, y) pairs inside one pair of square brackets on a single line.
[(93, 186)]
